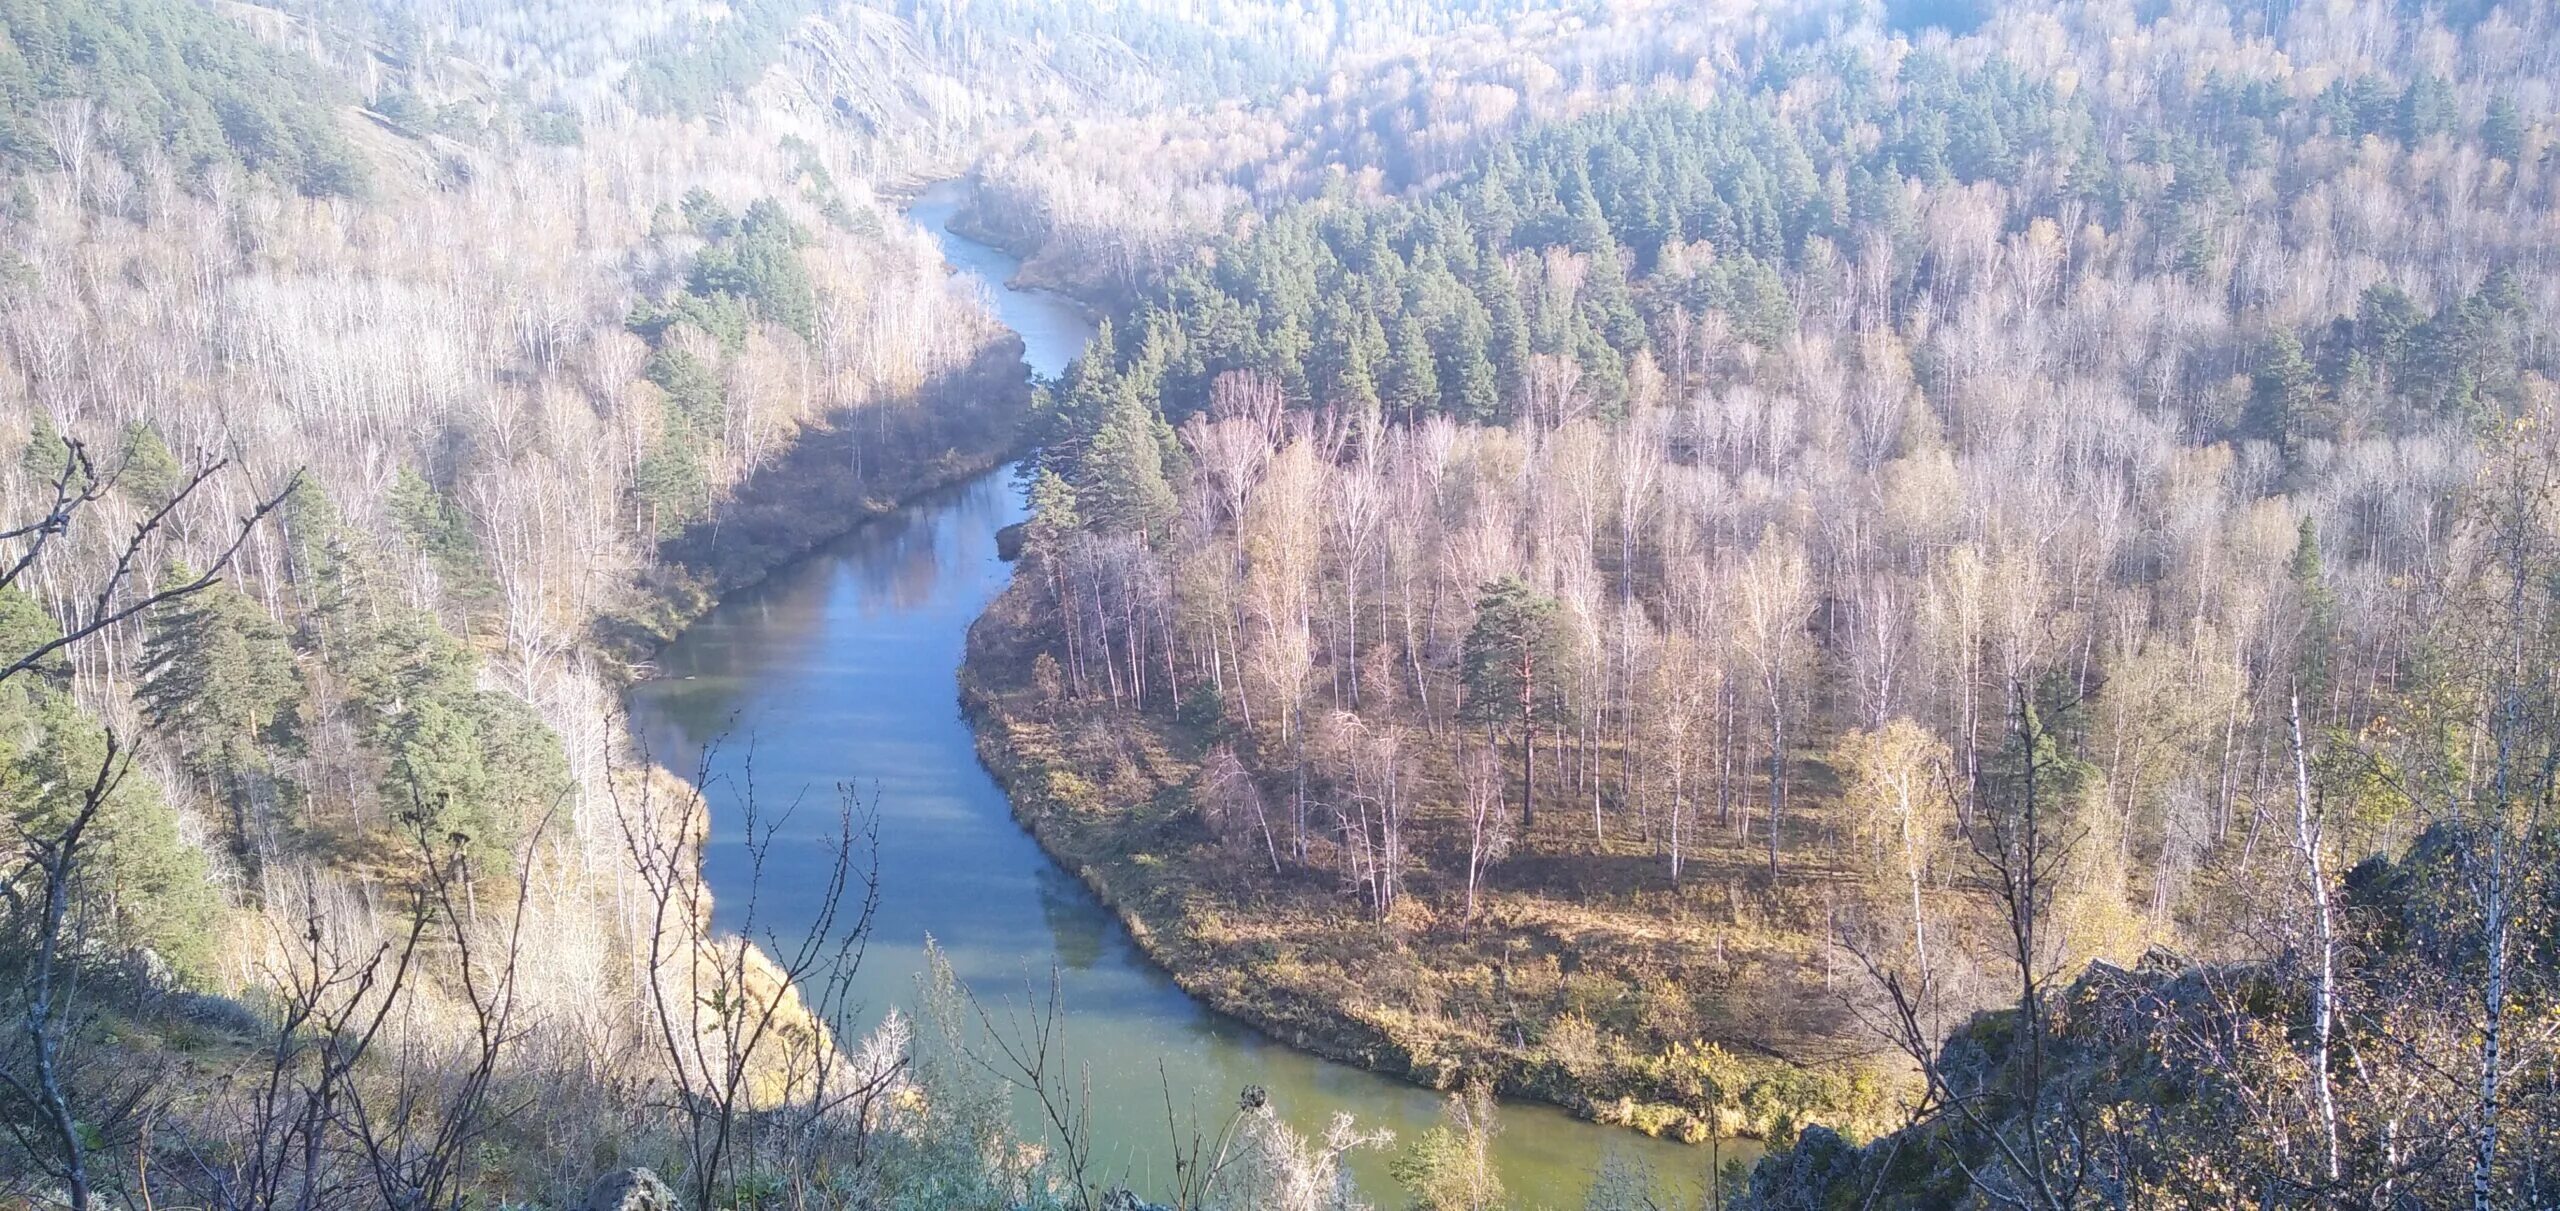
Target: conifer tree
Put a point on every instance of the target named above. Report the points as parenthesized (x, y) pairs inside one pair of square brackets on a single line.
[(1123, 468), (146, 468), (2427, 109), (144, 882), (2284, 402), (47, 455), (310, 522), (1509, 344), (431, 523), (1611, 305), (219, 676), (1413, 380), (1474, 388), (2502, 131), (1514, 664), (1053, 510)]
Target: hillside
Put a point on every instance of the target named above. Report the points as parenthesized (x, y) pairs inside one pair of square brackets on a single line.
[(142, 83), (1567, 617), (2174, 1083), (487, 372), (392, 380)]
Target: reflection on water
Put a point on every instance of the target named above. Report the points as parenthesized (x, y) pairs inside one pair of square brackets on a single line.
[(839, 672), (902, 566), (1074, 932)]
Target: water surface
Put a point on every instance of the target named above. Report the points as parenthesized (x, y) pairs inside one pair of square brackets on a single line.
[(841, 669), (1053, 329)]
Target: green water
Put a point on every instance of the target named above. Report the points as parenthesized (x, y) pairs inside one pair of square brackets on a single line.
[(841, 669)]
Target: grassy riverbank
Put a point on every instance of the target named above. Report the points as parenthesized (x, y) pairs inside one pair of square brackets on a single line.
[(1695, 1014)]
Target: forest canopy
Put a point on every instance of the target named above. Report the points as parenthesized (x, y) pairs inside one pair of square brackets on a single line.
[(144, 78)]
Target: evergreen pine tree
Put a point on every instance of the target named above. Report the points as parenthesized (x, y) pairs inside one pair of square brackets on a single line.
[(2387, 322), (1053, 511), (695, 399), (1509, 346), (218, 673), (146, 468), (310, 524), (1611, 304), (145, 884), (219, 678), (1413, 379), (1123, 468), (2284, 402), (2427, 109), (432, 524), (47, 455), (2502, 132), (1474, 390), (704, 214), (1512, 668)]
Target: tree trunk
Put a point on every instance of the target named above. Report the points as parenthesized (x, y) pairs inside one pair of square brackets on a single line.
[(1676, 806), (1911, 867), (1528, 745), (1528, 777), (2306, 833), (1298, 792), (2493, 1006), (1777, 774)]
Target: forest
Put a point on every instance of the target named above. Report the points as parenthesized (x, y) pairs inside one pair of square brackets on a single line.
[(1963, 592), (1669, 544)]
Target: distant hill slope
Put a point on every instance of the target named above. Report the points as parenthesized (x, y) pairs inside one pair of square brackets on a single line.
[(168, 79)]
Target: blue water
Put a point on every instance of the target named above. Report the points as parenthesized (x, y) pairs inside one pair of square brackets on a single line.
[(840, 670)]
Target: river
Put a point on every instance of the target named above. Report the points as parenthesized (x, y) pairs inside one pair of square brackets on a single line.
[(841, 669)]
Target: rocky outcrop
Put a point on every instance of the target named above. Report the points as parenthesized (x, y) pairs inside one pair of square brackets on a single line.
[(631, 1190), (2110, 1038), (1123, 1200), (1802, 1177)]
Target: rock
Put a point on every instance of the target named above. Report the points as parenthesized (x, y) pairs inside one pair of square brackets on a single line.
[(1802, 1178), (2162, 963), (151, 972), (216, 1013), (631, 1190), (1122, 1200)]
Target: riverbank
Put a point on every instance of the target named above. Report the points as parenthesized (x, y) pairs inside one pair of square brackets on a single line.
[(1041, 267), (851, 468), (1596, 1007)]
